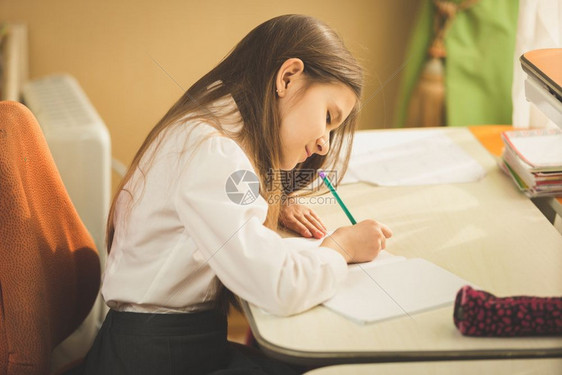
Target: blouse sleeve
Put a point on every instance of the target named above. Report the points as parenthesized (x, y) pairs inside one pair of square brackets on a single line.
[(251, 260)]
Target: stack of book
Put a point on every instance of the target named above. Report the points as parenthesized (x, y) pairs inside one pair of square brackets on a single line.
[(533, 158)]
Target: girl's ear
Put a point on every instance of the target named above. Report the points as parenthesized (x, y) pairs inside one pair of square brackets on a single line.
[(291, 70)]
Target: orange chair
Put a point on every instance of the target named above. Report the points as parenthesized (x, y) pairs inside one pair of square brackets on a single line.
[(49, 266)]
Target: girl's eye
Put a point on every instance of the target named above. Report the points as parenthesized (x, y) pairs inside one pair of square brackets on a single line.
[(328, 118)]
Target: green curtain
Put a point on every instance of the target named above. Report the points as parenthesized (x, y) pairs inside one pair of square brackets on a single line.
[(479, 64)]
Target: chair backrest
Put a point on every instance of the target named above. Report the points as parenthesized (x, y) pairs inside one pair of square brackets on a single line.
[(49, 266)]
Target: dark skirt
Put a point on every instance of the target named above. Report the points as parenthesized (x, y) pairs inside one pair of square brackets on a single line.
[(162, 344)]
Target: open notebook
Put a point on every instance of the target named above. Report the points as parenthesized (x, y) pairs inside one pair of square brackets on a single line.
[(393, 286)]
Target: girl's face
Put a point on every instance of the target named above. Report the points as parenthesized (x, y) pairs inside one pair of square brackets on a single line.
[(308, 117)]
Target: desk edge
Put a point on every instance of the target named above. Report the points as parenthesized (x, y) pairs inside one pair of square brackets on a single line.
[(327, 358)]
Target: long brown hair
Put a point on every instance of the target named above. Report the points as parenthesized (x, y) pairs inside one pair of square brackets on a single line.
[(248, 74)]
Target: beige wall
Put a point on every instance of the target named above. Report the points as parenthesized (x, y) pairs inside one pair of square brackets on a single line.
[(114, 49)]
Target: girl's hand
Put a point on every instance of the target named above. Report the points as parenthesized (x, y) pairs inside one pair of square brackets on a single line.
[(302, 220), (361, 242)]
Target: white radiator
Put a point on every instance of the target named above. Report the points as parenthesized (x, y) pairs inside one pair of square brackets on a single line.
[(80, 144)]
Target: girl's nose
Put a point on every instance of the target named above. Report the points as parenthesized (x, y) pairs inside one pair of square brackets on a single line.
[(322, 145)]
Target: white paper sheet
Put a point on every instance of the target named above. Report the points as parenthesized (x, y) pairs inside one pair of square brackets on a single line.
[(410, 158), (401, 287), (389, 286)]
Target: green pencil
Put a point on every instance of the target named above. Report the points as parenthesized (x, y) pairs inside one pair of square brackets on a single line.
[(335, 194)]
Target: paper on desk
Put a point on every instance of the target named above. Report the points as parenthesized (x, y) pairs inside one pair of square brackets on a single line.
[(394, 287), (426, 157), (389, 286)]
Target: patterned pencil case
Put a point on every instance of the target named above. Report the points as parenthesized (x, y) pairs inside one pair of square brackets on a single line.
[(479, 313)]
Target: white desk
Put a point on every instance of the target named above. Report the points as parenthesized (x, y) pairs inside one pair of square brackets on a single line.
[(495, 367), (486, 232)]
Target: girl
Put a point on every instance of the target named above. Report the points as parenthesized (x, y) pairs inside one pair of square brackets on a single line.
[(196, 214)]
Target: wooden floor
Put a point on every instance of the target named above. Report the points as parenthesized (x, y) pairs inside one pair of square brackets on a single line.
[(237, 326)]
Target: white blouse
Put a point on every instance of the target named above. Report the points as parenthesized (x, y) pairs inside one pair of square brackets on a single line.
[(177, 231)]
